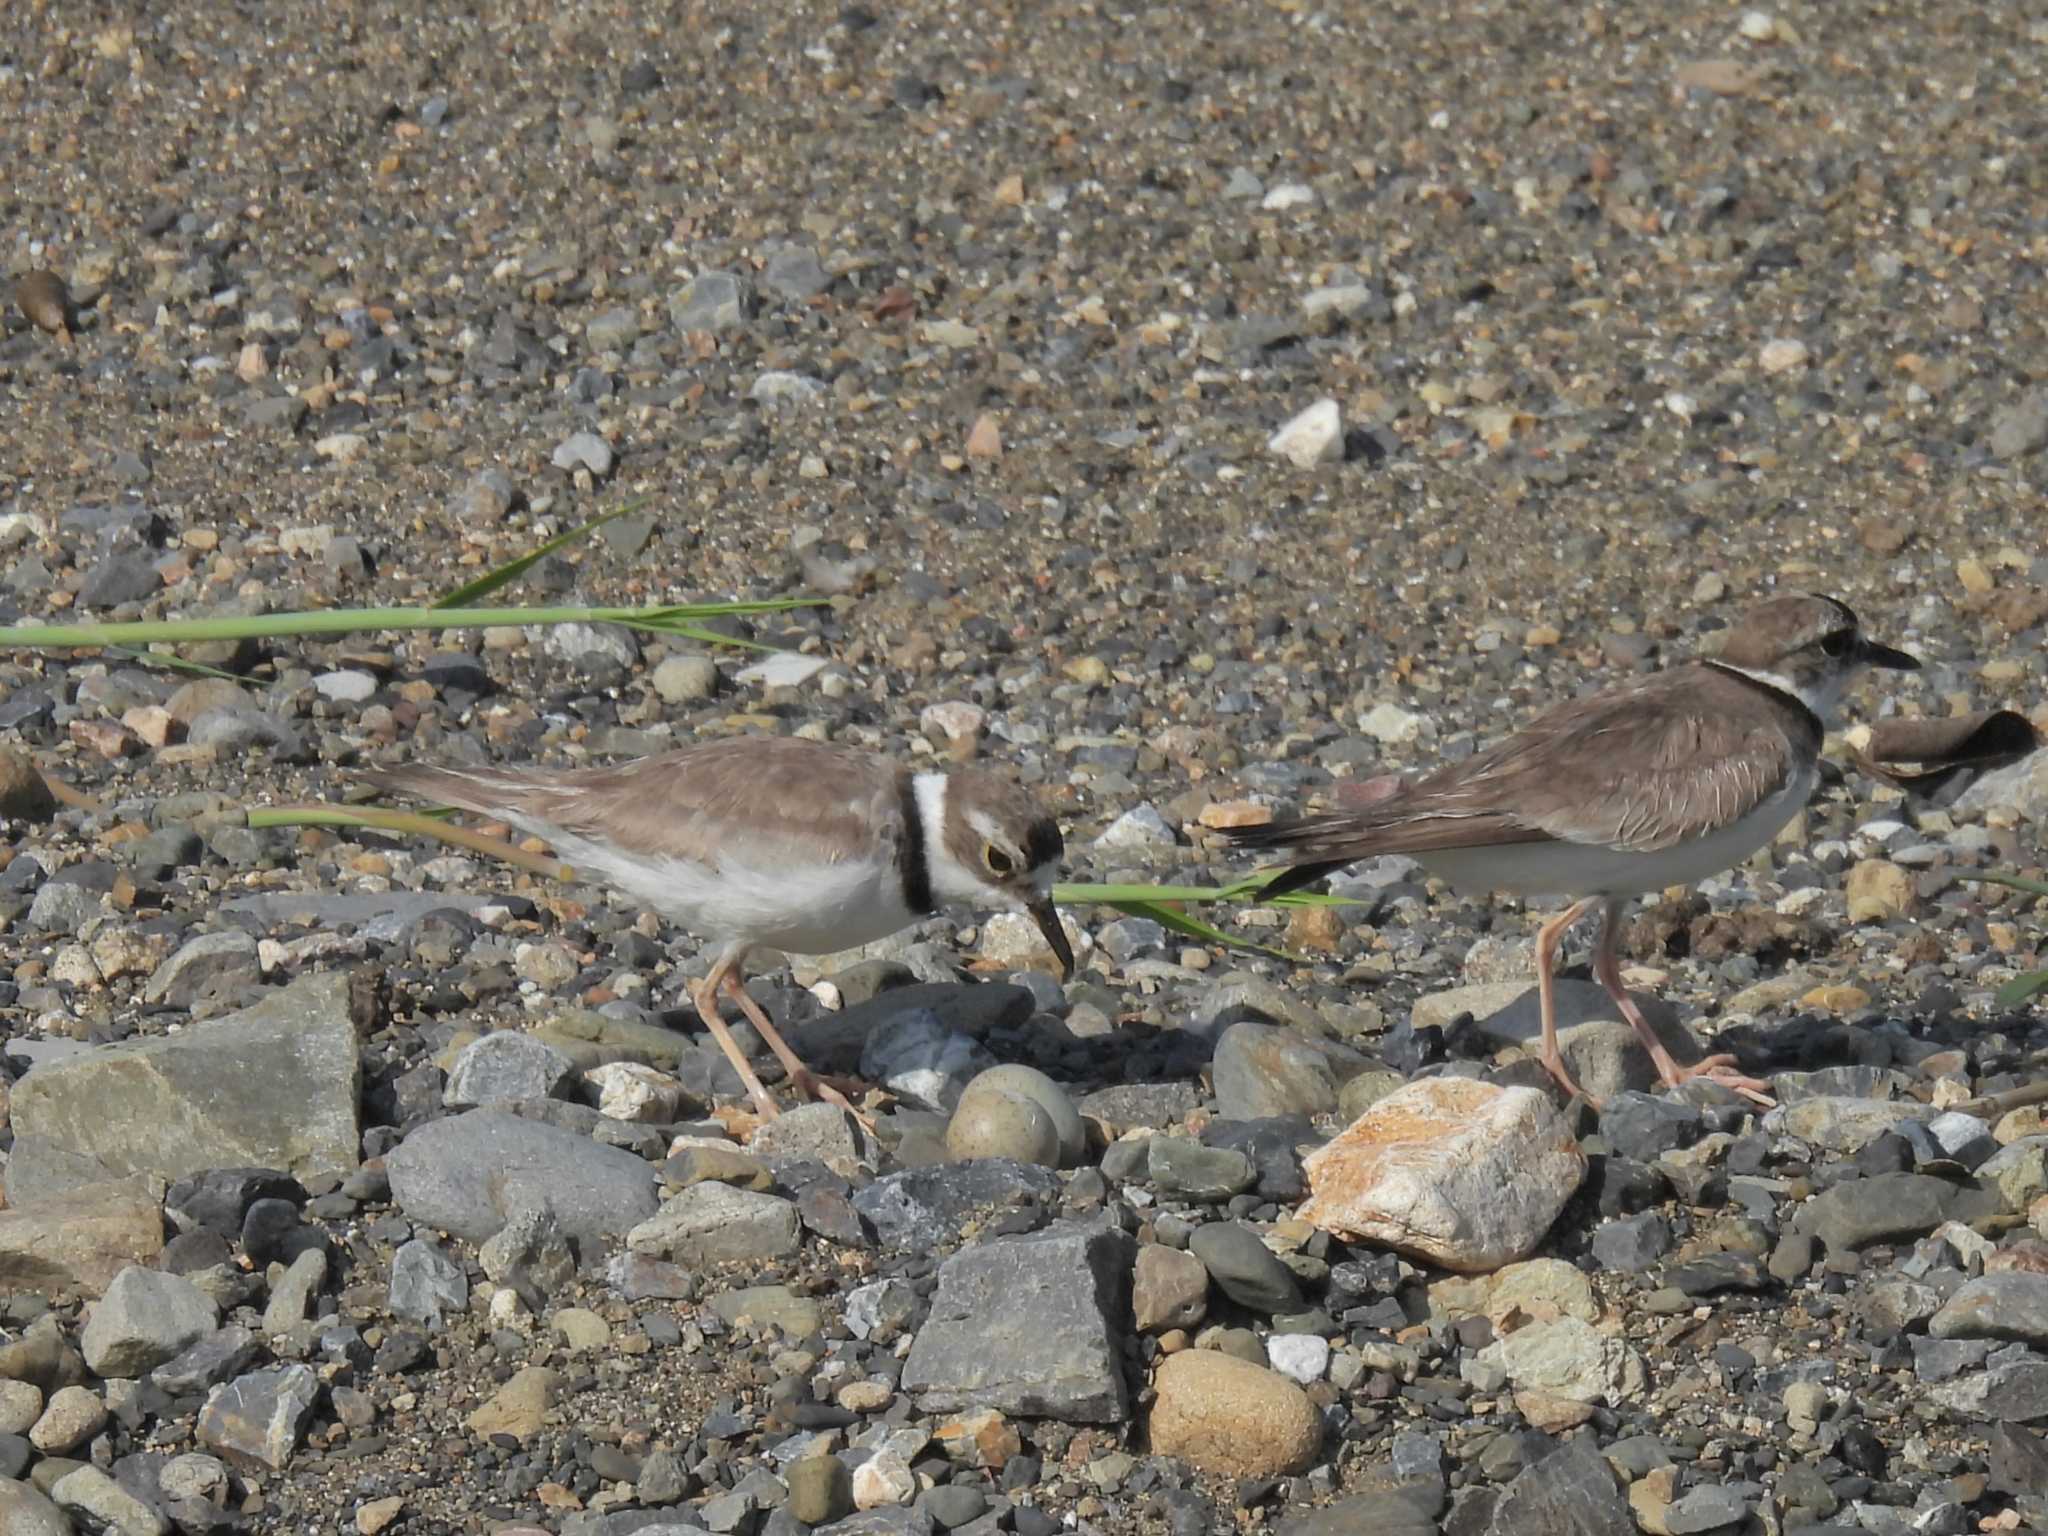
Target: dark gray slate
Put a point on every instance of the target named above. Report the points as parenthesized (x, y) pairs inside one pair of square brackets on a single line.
[(1571, 1492), (926, 1207), (1030, 1325), (1889, 1207), (1245, 1269)]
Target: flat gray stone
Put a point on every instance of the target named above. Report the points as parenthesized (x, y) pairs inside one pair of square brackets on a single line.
[(925, 1208), (714, 1223), (468, 1174), (1180, 1165), (1889, 1207), (212, 965), (1029, 1325), (834, 1042), (1571, 1492), (530, 1254), (145, 1318), (917, 1058), (273, 1086)]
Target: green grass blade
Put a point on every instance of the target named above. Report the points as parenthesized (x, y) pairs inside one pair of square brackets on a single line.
[(468, 596), (2022, 988), (679, 618), (1177, 921), (169, 661), (2014, 882)]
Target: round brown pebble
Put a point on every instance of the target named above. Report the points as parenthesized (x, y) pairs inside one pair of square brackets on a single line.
[(23, 794), (43, 297), (1229, 1417)]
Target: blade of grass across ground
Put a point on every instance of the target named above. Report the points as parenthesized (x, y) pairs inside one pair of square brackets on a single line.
[(681, 619), (2031, 985), (472, 593)]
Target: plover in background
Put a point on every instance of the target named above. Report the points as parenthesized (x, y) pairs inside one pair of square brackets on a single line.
[(1657, 782)]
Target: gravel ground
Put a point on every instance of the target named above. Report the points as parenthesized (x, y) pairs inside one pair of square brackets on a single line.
[(978, 324)]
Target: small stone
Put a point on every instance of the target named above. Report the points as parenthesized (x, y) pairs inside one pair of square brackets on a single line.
[(584, 450), (520, 1407), (427, 1286), (1232, 1418), (883, 1479), (1245, 1269), (24, 794), (1782, 355), (918, 1058), (1180, 1165), (632, 1091), (686, 679), (1169, 1289), (1570, 1358), (1315, 436), (1878, 891), (508, 1065), (1266, 1070), (72, 1416), (1302, 1357), (820, 1489), (710, 1224), (531, 1255)]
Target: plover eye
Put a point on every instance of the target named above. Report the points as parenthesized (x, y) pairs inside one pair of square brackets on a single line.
[(1838, 643), (998, 862)]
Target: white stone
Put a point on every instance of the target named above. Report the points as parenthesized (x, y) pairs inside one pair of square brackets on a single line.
[(881, 1480), (1140, 827), (1302, 1356), (348, 686), (1291, 194), (1466, 1174), (1315, 436), (629, 1090), (1572, 1359), (1782, 355), (779, 387), (1391, 724), (783, 669)]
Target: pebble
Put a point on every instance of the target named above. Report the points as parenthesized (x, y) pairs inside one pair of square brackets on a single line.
[(1315, 436), (1231, 1417)]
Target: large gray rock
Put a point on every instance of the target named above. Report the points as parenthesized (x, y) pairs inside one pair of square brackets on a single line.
[(80, 1243), (255, 1420), (146, 1318), (1266, 1070), (98, 1503), (212, 965), (714, 1223), (2008, 1305), (26, 1512), (272, 1086), (468, 1174), (1029, 1325)]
